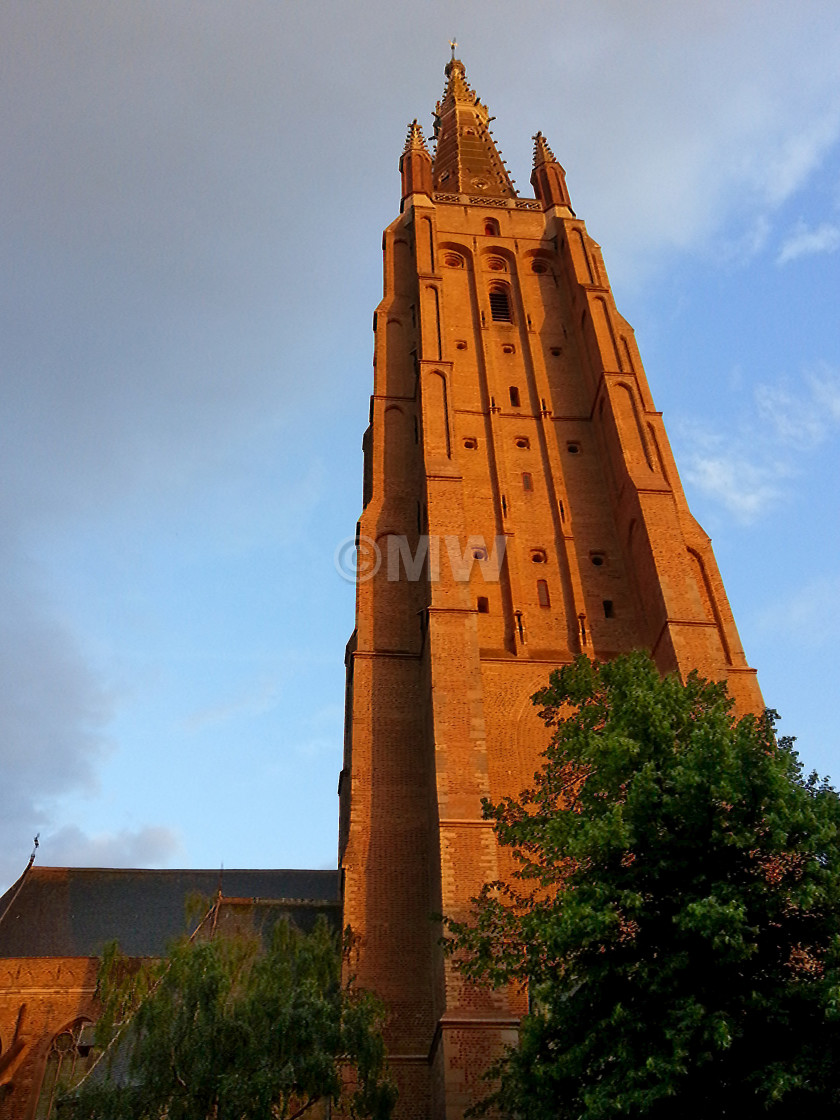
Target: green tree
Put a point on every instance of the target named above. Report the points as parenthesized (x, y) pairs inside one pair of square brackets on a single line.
[(226, 1028), (676, 912)]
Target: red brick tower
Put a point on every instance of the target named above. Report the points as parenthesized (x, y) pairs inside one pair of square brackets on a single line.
[(510, 412)]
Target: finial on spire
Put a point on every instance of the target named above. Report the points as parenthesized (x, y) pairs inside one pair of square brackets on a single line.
[(542, 152), (455, 68)]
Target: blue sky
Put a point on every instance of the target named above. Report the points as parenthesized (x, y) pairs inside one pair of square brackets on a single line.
[(191, 208)]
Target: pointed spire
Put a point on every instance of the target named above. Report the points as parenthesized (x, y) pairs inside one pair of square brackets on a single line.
[(467, 160), (548, 178), (542, 152), (457, 86), (415, 141), (415, 163)]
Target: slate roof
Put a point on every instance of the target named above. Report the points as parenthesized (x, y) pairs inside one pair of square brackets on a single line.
[(75, 911)]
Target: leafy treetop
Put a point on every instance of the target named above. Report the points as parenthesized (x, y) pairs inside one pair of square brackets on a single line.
[(227, 1028), (676, 912)]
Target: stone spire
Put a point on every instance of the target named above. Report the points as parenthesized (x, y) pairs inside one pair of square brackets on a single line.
[(467, 160), (415, 163), (415, 141), (548, 178), (542, 152)]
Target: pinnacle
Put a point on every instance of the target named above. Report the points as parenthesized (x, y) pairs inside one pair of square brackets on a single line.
[(415, 141), (542, 152)]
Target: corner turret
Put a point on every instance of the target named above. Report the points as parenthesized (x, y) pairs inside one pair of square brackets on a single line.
[(548, 178), (415, 163)]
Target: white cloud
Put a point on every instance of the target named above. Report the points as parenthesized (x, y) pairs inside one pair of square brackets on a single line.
[(745, 489), (809, 615), (747, 471), (805, 242), (254, 701), (826, 389), (805, 415), (715, 138), (743, 247), (799, 154)]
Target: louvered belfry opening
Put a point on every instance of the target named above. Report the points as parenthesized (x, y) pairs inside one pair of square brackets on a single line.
[(500, 305)]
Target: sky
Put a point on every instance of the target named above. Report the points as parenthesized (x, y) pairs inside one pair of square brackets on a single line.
[(192, 196)]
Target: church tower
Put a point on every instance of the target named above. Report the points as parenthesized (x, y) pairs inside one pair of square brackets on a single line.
[(521, 506)]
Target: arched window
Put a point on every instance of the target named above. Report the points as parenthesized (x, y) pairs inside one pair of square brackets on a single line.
[(500, 304), (67, 1061), (491, 227)]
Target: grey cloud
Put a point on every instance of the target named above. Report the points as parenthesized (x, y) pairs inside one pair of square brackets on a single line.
[(53, 737), (148, 846), (52, 718)]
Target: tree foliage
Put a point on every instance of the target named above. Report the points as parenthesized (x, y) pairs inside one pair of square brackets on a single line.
[(676, 912), (227, 1028)]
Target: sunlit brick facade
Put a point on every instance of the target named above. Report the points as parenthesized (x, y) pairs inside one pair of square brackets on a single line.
[(510, 407)]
